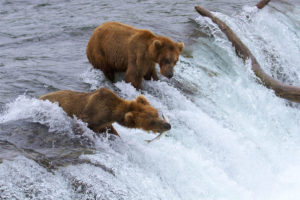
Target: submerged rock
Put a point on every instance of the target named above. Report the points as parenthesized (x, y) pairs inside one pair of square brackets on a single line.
[(34, 141)]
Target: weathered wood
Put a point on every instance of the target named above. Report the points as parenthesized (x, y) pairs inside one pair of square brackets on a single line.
[(262, 4), (282, 90)]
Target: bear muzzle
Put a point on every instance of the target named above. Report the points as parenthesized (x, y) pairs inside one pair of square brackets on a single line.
[(166, 70), (166, 126), (169, 74)]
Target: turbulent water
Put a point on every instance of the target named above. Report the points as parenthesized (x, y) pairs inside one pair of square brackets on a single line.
[(231, 137)]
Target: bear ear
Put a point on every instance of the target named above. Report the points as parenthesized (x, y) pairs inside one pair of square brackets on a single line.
[(129, 119), (142, 100), (157, 44), (180, 46)]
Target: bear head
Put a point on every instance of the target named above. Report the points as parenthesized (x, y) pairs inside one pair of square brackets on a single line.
[(166, 54), (142, 115)]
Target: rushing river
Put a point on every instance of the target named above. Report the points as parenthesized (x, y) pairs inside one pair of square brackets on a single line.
[(231, 138)]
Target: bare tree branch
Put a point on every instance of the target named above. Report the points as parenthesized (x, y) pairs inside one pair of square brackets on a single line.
[(262, 4), (288, 92)]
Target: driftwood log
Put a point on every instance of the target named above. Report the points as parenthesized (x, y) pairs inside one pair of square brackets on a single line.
[(282, 90), (262, 4)]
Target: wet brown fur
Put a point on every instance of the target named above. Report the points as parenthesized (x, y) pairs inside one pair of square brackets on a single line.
[(103, 107), (115, 47)]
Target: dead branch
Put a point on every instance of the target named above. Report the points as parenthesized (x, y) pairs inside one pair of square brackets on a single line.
[(288, 92), (262, 4)]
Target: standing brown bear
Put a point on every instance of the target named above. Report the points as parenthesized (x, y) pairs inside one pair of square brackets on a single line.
[(101, 108), (115, 47)]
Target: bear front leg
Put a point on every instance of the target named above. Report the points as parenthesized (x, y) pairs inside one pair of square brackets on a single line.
[(135, 82), (134, 78), (151, 74), (112, 130), (154, 74), (108, 129)]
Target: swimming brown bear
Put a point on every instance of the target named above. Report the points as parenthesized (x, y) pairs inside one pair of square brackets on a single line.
[(115, 47), (103, 107)]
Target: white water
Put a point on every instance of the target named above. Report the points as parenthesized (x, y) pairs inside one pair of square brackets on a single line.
[(231, 138)]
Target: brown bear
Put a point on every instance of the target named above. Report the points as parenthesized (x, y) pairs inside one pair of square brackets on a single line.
[(115, 47), (101, 108)]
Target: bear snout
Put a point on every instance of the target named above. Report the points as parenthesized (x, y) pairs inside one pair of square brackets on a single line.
[(166, 70), (169, 74), (164, 127), (167, 126)]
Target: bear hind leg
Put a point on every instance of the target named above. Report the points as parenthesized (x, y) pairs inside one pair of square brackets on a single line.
[(148, 76), (98, 63), (110, 74)]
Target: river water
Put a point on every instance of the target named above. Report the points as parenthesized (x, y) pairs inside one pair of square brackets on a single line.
[(231, 137)]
